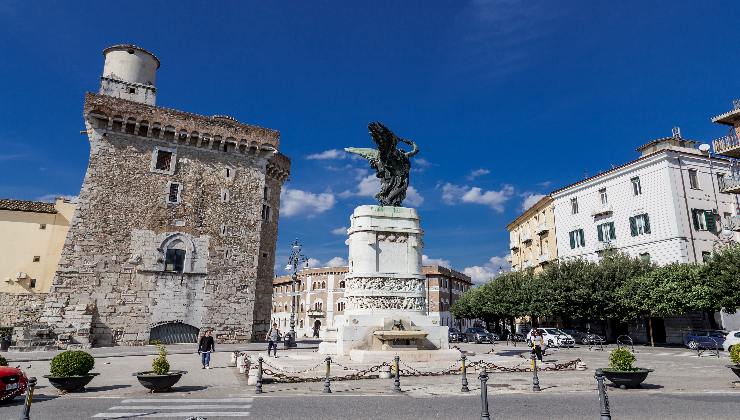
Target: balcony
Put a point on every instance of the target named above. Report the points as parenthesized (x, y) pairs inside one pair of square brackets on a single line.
[(544, 258), (513, 245), (543, 228), (526, 236), (526, 264), (602, 209), (508, 258), (606, 245), (730, 183), (728, 145), (732, 223), (316, 313)]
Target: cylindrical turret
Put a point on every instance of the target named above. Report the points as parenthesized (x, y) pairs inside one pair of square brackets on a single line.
[(129, 72)]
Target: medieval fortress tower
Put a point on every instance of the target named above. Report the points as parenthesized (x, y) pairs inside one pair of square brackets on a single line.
[(176, 222)]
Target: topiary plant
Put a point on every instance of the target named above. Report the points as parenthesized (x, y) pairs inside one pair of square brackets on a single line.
[(621, 359), (71, 363), (160, 365), (3, 361), (735, 354)]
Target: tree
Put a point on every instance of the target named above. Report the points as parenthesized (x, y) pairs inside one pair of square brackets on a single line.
[(722, 275), (673, 289)]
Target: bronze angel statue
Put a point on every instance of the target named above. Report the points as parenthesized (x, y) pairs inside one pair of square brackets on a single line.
[(391, 163)]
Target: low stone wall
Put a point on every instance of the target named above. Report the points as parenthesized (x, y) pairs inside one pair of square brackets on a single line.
[(20, 309)]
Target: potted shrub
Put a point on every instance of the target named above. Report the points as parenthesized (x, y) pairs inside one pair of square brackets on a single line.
[(735, 358), (160, 378), (70, 370), (621, 372)]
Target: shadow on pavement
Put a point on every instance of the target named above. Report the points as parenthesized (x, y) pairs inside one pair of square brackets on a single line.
[(105, 388)]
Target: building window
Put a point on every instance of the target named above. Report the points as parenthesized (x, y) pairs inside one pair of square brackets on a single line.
[(266, 213), (721, 182), (32, 283), (174, 260), (603, 197), (131, 90), (645, 257), (266, 193), (606, 232), (173, 193), (42, 226), (693, 179), (323, 285), (163, 160), (318, 306), (340, 306), (636, 187), (223, 230), (639, 225), (703, 220), (224, 195), (341, 284), (577, 239), (706, 256), (36, 258), (574, 205)]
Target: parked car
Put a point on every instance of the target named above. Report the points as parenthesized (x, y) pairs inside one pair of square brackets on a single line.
[(731, 339), (454, 335), (695, 339), (553, 337), (479, 335), (13, 382), (584, 336)]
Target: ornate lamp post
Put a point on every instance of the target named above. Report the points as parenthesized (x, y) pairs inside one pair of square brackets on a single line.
[(295, 260)]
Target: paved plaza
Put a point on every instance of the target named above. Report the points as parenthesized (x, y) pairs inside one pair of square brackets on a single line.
[(683, 386)]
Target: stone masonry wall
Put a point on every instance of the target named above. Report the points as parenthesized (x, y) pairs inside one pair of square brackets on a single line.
[(113, 257), (20, 308)]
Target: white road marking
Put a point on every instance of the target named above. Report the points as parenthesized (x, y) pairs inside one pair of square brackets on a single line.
[(177, 407), (183, 414), (188, 400)]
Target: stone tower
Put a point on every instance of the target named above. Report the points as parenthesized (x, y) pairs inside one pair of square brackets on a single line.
[(176, 223)]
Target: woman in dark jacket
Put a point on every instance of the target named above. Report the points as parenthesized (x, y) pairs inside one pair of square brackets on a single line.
[(205, 347)]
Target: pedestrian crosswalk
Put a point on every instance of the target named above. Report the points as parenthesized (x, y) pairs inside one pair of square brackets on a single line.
[(178, 408)]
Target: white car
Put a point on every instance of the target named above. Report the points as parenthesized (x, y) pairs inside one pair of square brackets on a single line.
[(553, 337), (732, 339)]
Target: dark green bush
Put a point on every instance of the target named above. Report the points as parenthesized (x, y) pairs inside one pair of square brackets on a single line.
[(621, 359), (3, 361), (735, 354), (71, 363)]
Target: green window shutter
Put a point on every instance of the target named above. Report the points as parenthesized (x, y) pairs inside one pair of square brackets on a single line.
[(633, 226), (711, 221), (583, 238), (695, 218), (572, 239), (647, 223), (599, 230), (612, 232)]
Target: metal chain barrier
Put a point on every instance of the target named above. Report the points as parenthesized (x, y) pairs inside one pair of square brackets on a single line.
[(490, 366)]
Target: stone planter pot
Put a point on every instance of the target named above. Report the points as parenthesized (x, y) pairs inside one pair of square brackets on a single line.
[(71, 383), (158, 383), (627, 379), (735, 369)]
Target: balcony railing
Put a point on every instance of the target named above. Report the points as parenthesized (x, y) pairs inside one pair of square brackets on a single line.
[(602, 209), (315, 312), (729, 144), (730, 183), (513, 245), (543, 228), (544, 258), (604, 245), (732, 223), (526, 236)]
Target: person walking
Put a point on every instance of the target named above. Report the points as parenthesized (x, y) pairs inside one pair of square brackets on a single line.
[(206, 346), (316, 328), (537, 343), (273, 336)]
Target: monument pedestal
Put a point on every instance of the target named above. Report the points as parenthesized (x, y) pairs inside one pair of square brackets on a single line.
[(385, 291)]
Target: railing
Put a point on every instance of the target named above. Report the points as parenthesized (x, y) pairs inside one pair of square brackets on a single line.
[(544, 258), (730, 183), (726, 143), (542, 228), (526, 236), (602, 209), (513, 245), (604, 245)]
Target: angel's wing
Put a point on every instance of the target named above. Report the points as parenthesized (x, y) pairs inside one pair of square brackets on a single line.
[(367, 153)]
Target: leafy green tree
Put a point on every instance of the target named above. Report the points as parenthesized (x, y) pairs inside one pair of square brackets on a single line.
[(722, 275)]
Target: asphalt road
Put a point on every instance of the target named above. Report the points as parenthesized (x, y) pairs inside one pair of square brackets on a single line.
[(631, 404)]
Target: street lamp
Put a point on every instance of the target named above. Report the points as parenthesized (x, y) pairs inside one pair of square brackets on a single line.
[(295, 260)]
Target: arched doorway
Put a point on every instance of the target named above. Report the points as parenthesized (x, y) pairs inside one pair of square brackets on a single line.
[(174, 332)]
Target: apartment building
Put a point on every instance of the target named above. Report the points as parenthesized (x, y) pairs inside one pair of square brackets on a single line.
[(320, 297), (532, 237)]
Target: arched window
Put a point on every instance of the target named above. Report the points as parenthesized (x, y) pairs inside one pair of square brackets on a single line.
[(130, 126), (340, 306), (301, 307), (318, 305), (341, 284), (285, 306), (300, 324), (174, 259), (323, 285)]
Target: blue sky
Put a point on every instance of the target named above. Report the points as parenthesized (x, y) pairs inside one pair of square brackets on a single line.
[(507, 99)]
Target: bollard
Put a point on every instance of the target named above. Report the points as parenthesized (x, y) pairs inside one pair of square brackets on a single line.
[(25, 414), (327, 380), (397, 378), (484, 395), (464, 375), (603, 398), (535, 379), (258, 386)]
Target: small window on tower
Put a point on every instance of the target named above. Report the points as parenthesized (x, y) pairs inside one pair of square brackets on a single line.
[(32, 284), (173, 193), (174, 260), (164, 160), (224, 195), (131, 90), (36, 258), (42, 226)]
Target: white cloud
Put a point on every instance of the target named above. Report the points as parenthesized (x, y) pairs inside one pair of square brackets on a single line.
[(478, 172), (481, 274), (298, 202), (313, 263), (530, 200), (53, 197), (328, 155), (420, 165), (336, 262), (369, 186), (341, 231), (425, 260), (453, 194)]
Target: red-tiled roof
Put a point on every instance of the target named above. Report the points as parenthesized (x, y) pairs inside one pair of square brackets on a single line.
[(23, 205)]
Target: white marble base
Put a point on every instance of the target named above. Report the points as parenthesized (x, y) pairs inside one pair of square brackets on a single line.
[(374, 356)]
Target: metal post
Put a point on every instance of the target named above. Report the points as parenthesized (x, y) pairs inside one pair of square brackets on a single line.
[(29, 399), (397, 378), (327, 380), (291, 337), (603, 398), (464, 375), (484, 415), (535, 379), (258, 386)]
